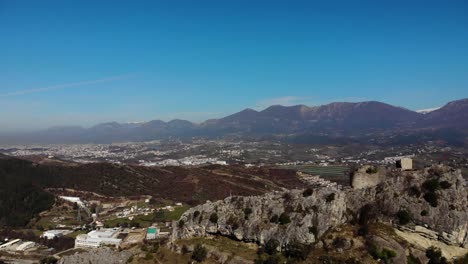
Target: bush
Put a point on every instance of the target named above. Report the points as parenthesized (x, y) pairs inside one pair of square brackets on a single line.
[(462, 260), (372, 170), (271, 246), (411, 259), (49, 260), (403, 217), (214, 218), (181, 223), (445, 184), (274, 219), (199, 253), (275, 259), (196, 214), (431, 185), (247, 212), (435, 256), (308, 192), (385, 254), (367, 213), (414, 191), (185, 249), (148, 256), (284, 219), (297, 251), (287, 197), (424, 213), (313, 230), (330, 197), (431, 198), (233, 222)]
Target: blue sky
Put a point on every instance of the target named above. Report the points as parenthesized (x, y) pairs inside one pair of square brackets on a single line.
[(85, 62)]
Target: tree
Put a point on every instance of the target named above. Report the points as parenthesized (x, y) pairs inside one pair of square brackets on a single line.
[(403, 217), (181, 223), (271, 246), (247, 212), (435, 256), (330, 197), (274, 219), (284, 219), (214, 218), (296, 250), (432, 198), (307, 192), (199, 253)]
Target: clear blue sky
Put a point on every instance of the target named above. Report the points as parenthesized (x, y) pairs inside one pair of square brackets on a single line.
[(85, 62)]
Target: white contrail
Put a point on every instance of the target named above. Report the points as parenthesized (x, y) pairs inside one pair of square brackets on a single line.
[(65, 85)]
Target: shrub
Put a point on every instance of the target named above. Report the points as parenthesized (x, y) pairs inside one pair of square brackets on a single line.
[(274, 219), (330, 197), (233, 223), (196, 214), (431, 198), (308, 192), (403, 217), (385, 254), (181, 223), (424, 213), (185, 249), (148, 256), (313, 230), (435, 256), (275, 259), (214, 218), (199, 253), (372, 170), (287, 197), (247, 212), (431, 185), (49, 260), (414, 191), (271, 246), (367, 213), (445, 184), (284, 219), (296, 250), (411, 259), (462, 260)]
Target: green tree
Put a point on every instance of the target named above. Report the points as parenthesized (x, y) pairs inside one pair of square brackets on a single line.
[(199, 253), (271, 246), (284, 219), (214, 218)]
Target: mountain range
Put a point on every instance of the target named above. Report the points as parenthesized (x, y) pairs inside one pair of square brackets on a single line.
[(334, 120)]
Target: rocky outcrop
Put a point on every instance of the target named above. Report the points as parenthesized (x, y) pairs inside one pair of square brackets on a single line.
[(285, 216), (304, 216), (408, 191)]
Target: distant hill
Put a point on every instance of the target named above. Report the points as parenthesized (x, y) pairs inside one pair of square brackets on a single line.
[(333, 121), (22, 183)]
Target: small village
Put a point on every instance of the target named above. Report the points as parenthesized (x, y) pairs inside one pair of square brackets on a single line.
[(88, 221)]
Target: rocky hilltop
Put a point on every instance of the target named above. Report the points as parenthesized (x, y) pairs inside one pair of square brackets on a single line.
[(433, 199)]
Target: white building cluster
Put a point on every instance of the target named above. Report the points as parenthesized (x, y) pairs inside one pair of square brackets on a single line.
[(98, 238)]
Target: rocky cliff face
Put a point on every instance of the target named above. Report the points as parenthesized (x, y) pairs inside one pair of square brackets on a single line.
[(435, 198), (285, 216), (301, 216)]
